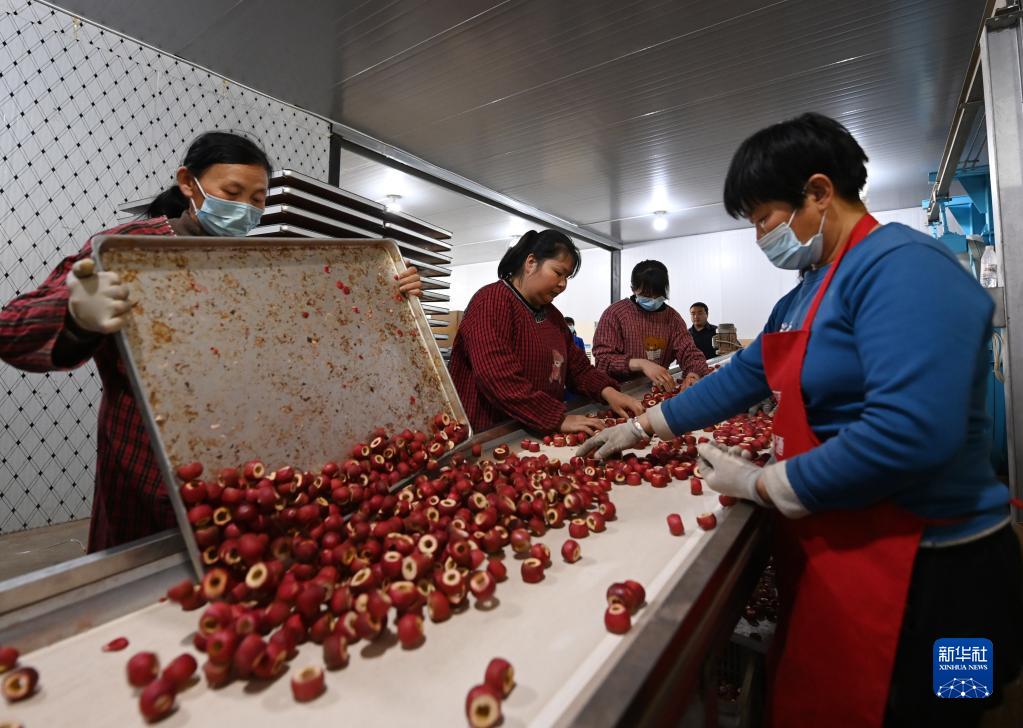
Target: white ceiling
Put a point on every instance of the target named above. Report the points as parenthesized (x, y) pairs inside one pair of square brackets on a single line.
[(596, 111)]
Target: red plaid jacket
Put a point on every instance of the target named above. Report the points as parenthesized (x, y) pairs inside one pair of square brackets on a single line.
[(130, 500), (506, 364), (626, 331)]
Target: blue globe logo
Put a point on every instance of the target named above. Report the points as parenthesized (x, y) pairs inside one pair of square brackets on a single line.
[(963, 688)]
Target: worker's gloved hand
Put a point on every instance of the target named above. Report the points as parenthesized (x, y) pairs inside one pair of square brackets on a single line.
[(726, 472), (613, 440), (765, 405), (98, 301)]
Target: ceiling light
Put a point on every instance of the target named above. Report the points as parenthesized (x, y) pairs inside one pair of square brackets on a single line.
[(393, 203), (660, 220)]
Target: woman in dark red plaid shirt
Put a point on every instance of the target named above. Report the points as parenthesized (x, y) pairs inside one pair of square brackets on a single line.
[(513, 355), (642, 334), (221, 190)]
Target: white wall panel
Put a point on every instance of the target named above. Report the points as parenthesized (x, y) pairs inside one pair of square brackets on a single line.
[(914, 217), (467, 279), (589, 293), (586, 297), (726, 271)]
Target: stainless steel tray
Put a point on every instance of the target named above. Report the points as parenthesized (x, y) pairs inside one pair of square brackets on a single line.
[(242, 348), (287, 195)]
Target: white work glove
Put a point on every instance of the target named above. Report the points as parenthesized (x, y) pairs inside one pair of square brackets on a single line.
[(622, 437), (728, 473), (765, 405), (724, 471), (613, 440), (98, 301)]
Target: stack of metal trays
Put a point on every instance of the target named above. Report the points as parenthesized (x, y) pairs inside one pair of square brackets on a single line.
[(426, 246)]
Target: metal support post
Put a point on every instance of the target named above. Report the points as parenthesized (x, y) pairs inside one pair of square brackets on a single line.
[(1001, 52), (616, 275)]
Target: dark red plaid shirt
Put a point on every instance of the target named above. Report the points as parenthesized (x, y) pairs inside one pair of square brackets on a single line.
[(626, 331), (130, 499), (506, 364)]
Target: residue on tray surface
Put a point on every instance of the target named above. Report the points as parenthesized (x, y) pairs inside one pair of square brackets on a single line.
[(162, 333), (269, 327)]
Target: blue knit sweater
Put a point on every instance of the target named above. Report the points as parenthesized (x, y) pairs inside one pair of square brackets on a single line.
[(894, 383)]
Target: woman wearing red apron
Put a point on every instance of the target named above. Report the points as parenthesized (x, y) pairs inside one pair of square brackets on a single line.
[(892, 530)]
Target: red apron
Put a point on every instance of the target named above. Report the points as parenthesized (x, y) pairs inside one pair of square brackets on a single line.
[(843, 576)]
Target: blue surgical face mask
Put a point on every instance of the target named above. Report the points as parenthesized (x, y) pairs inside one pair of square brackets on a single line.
[(226, 218), (650, 304), (784, 249)]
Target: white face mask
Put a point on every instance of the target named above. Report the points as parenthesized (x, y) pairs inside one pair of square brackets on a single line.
[(786, 251), (650, 303)]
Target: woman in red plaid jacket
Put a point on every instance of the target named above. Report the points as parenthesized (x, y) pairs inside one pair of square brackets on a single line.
[(514, 355), (642, 334), (221, 190)]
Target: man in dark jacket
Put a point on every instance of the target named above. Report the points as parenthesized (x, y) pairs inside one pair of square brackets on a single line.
[(701, 331)]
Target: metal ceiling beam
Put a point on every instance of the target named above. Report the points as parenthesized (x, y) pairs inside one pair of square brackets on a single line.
[(367, 146), (971, 101)]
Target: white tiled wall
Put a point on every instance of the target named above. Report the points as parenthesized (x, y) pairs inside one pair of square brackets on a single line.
[(88, 120)]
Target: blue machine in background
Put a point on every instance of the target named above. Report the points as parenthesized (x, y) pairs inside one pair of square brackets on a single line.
[(974, 213)]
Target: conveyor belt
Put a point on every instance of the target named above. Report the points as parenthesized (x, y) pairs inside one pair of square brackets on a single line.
[(570, 670)]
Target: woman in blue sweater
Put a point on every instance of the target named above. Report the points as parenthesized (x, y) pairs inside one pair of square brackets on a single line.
[(892, 529)]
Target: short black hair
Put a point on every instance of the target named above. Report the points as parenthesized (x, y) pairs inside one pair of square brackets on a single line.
[(650, 276), (569, 320), (776, 162), (701, 304), (209, 148), (543, 245)]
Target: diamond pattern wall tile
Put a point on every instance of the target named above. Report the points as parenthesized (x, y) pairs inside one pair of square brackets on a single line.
[(89, 120)]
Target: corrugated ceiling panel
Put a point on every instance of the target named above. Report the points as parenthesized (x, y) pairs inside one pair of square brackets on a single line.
[(584, 108)]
